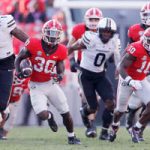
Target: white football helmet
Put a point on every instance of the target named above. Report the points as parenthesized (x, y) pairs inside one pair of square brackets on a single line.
[(92, 13), (106, 29), (51, 31), (145, 14), (146, 39)]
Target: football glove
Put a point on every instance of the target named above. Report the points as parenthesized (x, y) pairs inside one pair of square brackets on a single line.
[(136, 84), (73, 65), (22, 74), (57, 77)]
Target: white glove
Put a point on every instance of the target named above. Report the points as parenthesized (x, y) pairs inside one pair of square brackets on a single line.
[(136, 84)]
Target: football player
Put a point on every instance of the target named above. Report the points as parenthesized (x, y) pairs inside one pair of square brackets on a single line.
[(8, 29), (97, 48), (91, 18), (133, 70), (18, 87), (134, 33), (47, 55)]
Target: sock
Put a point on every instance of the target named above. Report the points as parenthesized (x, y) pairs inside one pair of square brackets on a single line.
[(138, 125), (107, 118), (49, 115), (70, 134)]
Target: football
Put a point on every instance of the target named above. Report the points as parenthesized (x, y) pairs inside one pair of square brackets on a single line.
[(26, 67)]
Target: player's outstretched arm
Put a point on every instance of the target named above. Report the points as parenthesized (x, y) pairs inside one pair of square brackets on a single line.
[(76, 46), (19, 34)]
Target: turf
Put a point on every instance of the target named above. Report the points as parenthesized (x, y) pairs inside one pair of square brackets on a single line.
[(42, 138)]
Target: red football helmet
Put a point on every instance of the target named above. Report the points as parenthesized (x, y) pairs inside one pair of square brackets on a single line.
[(51, 31), (146, 39), (145, 14), (92, 13)]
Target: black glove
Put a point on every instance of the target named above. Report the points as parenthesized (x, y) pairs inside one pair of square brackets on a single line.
[(57, 77), (73, 65), (20, 75)]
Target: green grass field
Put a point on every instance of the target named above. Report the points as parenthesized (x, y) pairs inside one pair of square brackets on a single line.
[(42, 138)]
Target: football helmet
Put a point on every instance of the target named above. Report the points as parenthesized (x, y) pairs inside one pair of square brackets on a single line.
[(106, 29), (51, 32), (145, 14), (92, 13), (146, 39)]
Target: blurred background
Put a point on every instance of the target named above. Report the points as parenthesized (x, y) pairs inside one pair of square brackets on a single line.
[(30, 16)]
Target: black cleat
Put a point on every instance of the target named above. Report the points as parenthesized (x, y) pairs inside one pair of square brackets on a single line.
[(104, 135), (135, 135), (91, 132), (85, 119), (112, 134), (74, 140), (52, 124), (141, 138)]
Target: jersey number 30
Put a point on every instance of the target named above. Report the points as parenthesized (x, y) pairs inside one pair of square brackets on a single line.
[(43, 65)]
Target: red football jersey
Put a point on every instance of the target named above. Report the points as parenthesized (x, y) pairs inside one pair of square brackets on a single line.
[(18, 87), (135, 32), (77, 32), (140, 68), (42, 63)]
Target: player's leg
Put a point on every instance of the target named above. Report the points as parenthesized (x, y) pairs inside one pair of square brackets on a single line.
[(143, 94), (134, 105), (87, 82), (123, 93), (9, 123), (59, 101), (102, 86), (91, 129), (39, 101), (6, 79)]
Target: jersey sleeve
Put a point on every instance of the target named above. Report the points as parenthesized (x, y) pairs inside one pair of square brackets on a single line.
[(117, 50), (63, 53), (131, 49), (75, 32), (86, 39), (10, 23)]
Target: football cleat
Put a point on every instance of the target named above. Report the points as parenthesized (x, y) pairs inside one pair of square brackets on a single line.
[(135, 135), (112, 134), (85, 119), (74, 140), (104, 135), (141, 138), (52, 124), (91, 132)]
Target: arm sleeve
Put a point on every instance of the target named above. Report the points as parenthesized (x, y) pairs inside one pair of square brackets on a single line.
[(10, 23), (117, 51), (86, 39)]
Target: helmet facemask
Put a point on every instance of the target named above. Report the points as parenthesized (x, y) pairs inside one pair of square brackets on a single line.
[(92, 23), (51, 36), (92, 17), (145, 14), (105, 35), (146, 43)]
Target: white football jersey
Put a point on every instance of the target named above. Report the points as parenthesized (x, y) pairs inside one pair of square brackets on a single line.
[(7, 24), (97, 53)]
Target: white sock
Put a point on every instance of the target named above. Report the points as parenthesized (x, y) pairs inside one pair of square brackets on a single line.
[(70, 134), (138, 125), (49, 115), (116, 124)]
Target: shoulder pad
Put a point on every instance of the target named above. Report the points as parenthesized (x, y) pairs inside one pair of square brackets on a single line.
[(86, 38)]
